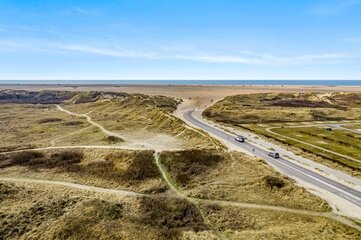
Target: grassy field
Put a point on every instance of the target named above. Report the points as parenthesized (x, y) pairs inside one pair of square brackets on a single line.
[(118, 169), (39, 212), (236, 177), (41, 196), (144, 121), (27, 126), (43, 212), (339, 141), (273, 115), (286, 107), (263, 224)]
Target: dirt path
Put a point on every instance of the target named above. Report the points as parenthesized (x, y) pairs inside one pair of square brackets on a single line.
[(166, 178), (195, 201), (89, 120), (173, 187), (77, 147), (52, 142), (72, 185)]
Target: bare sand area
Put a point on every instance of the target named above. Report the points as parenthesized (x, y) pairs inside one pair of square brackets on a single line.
[(198, 96)]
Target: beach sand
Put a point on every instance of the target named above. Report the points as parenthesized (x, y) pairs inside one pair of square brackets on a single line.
[(198, 96)]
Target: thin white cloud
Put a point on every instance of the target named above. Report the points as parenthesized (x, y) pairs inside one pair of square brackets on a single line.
[(85, 11), (335, 6), (244, 57)]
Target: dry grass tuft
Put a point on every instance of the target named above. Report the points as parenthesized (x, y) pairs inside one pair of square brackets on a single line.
[(274, 182), (186, 165), (169, 213)]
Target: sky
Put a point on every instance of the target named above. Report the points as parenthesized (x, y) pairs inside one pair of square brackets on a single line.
[(180, 39)]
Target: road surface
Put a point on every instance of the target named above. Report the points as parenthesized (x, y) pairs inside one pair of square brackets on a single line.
[(287, 167)]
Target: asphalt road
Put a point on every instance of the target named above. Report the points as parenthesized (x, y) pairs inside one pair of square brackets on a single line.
[(289, 168)]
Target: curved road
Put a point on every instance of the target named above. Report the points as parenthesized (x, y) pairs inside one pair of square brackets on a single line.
[(289, 168)]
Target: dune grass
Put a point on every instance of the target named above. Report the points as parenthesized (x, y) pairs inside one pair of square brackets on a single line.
[(236, 177), (285, 107)]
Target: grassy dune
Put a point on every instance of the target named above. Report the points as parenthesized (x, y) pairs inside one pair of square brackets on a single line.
[(129, 170), (37, 212), (28, 126), (32, 120), (286, 107), (202, 170), (257, 112), (263, 224), (236, 177)]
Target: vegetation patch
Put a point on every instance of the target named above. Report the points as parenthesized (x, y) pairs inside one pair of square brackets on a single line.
[(7, 190), (35, 160), (73, 123), (14, 225), (50, 120), (43, 97), (170, 213), (113, 139), (242, 178), (141, 165), (274, 182), (285, 107), (339, 141), (243, 223), (188, 164)]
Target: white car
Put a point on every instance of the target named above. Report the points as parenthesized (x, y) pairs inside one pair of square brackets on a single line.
[(274, 154), (239, 139)]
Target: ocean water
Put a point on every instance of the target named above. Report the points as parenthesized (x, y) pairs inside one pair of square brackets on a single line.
[(191, 82)]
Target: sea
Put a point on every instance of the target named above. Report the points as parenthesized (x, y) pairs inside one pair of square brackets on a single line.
[(189, 82)]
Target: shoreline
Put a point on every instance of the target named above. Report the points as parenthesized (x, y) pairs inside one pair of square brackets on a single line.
[(197, 95), (173, 85)]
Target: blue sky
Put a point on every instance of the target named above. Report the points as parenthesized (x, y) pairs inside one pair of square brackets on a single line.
[(180, 39)]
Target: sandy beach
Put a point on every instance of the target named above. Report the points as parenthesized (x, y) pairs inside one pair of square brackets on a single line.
[(193, 95)]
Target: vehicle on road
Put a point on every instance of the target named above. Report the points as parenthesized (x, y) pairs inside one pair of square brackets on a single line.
[(240, 139), (274, 154)]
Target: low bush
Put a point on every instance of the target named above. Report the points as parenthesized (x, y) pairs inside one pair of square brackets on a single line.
[(73, 123), (170, 213), (274, 182), (7, 190), (135, 166), (142, 167), (34, 160), (50, 120), (15, 225), (21, 158), (113, 139), (186, 164)]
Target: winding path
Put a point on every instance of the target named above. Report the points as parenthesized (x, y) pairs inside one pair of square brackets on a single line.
[(127, 193), (89, 120)]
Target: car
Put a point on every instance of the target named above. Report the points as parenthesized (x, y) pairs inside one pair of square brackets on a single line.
[(274, 154), (239, 139)]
